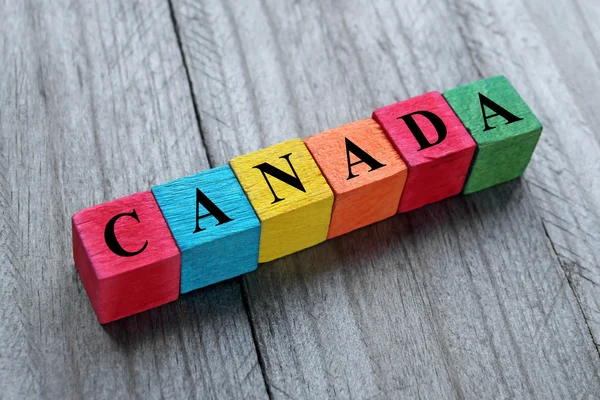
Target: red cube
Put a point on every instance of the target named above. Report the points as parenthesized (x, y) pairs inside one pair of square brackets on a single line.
[(126, 256), (434, 144)]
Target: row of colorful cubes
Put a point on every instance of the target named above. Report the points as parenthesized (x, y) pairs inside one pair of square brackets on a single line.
[(143, 250)]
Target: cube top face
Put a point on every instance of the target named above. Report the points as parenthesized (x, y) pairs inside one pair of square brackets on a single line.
[(183, 200), (364, 170), (413, 126), (504, 127), (334, 151), (214, 226), (433, 143), (136, 231), (270, 196), (474, 102), (290, 196)]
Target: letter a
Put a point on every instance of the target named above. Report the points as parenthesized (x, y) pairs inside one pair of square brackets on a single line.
[(211, 208), (363, 156), (508, 116)]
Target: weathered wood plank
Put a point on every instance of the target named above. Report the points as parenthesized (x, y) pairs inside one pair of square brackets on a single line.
[(465, 298), (94, 105), (553, 59)]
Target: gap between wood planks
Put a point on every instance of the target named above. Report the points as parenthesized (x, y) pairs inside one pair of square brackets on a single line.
[(211, 163), (565, 269), (190, 84), (241, 280), (560, 262)]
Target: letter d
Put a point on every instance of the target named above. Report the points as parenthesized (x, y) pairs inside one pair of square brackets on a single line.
[(436, 121)]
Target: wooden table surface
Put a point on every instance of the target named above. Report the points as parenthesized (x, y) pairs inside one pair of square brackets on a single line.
[(491, 295)]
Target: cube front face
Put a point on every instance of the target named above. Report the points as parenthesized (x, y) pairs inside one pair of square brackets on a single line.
[(364, 171), (214, 226), (504, 127), (433, 143), (126, 256), (290, 196)]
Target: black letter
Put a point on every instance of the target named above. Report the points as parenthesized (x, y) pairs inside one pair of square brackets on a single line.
[(437, 122), (111, 239), (363, 158), (293, 181), (509, 117), (211, 208)]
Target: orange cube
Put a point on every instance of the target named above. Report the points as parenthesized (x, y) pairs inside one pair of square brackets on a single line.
[(364, 171)]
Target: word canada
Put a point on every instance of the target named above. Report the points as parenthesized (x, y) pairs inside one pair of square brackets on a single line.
[(143, 250)]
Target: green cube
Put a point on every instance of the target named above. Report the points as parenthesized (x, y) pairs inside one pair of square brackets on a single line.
[(504, 127)]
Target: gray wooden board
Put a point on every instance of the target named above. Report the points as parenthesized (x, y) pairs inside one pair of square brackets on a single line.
[(94, 105), (564, 178), (465, 298), (489, 295)]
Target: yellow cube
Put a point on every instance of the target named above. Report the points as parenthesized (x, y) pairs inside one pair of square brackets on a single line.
[(290, 196)]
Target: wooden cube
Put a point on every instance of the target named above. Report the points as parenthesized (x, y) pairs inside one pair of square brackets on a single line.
[(364, 171), (505, 129), (433, 143), (214, 226), (126, 256), (290, 196)]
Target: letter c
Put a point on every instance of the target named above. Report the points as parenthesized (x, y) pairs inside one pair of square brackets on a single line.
[(111, 238)]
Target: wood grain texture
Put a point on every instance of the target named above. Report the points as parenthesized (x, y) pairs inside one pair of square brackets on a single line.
[(367, 188), (145, 276), (506, 136), (95, 105), (292, 218), (215, 244), (561, 41), (434, 144), (463, 299)]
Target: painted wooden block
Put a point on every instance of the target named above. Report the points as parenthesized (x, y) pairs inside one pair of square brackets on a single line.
[(290, 196), (126, 256), (364, 171), (433, 143), (505, 129), (214, 226)]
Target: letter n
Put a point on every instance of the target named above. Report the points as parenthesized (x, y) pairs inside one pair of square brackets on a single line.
[(292, 180)]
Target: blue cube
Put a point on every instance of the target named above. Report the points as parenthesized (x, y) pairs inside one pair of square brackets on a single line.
[(214, 225)]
